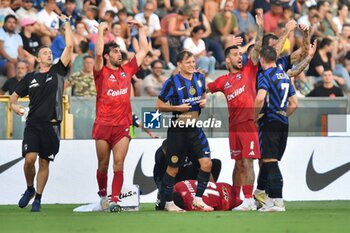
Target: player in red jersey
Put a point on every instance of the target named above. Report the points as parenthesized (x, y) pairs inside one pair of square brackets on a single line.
[(217, 195), (240, 91), (113, 109)]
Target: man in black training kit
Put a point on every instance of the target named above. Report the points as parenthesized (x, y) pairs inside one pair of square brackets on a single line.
[(188, 170), (41, 134)]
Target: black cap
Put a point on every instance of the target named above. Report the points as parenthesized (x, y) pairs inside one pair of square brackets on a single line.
[(276, 2)]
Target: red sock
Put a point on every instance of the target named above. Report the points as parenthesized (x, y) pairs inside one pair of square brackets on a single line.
[(237, 192), (248, 191), (102, 183), (117, 185)]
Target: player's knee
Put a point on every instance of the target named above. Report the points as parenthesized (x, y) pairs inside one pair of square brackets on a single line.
[(248, 164), (118, 165), (206, 165), (29, 160)]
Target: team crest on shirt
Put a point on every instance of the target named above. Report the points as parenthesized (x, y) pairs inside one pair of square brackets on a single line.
[(112, 78), (123, 74), (238, 76)]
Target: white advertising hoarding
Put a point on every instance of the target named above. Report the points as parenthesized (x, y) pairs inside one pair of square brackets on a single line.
[(314, 168)]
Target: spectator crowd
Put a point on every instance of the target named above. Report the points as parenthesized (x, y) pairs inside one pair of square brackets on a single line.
[(205, 28)]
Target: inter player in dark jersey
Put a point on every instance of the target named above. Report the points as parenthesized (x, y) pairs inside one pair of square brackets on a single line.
[(186, 95), (239, 87), (113, 110), (41, 134), (276, 98), (218, 195)]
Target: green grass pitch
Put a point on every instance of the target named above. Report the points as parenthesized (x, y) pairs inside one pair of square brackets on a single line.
[(303, 217)]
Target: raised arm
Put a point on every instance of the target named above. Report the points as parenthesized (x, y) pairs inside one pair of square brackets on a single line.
[(68, 37), (301, 53), (99, 46), (254, 54), (143, 43), (290, 26), (298, 68)]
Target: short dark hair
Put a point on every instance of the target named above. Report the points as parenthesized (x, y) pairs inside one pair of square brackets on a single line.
[(183, 55), (267, 38), (87, 56), (40, 48), (228, 49), (325, 42), (198, 28), (155, 62), (327, 69), (84, 46), (107, 48), (268, 53), (320, 3), (10, 17), (110, 12)]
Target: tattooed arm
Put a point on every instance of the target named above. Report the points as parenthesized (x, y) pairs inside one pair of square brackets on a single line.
[(290, 26), (254, 54), (301, 53), (295, 71)]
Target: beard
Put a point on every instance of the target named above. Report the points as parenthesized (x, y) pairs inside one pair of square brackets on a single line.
[(116, 63)]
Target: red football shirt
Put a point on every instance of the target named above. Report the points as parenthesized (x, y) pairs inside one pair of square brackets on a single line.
[(113, 105), (240, 92), (217, 195)]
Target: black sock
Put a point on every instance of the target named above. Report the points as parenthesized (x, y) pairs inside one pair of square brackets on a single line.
[(262, 178), (202, 182), (215, 168), (30, 188), (275, 180), (38, 196), (168, 183)]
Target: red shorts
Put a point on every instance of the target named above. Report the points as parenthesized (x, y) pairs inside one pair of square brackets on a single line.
[(111, 134), (244, 141)]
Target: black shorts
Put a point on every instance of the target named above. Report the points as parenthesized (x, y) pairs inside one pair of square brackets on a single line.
[(42, 138), (273, 139), (189, 141)]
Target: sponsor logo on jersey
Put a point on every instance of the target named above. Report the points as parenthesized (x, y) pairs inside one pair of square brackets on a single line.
[(227, 85), (236, 93), (114, 93), (49, 78), (33, 83), (112, 78)]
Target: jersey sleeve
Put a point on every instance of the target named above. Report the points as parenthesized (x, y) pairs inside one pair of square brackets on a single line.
[(216, 85), (60, 69), (22, 87), (167, 91), (263, 82), (131, 67), (5, 87), (291, 91), (284, 62)]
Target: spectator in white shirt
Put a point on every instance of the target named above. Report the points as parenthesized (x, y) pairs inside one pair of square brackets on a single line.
[(196, 45)]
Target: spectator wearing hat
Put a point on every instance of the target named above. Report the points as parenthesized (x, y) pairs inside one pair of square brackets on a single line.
[(31, 41), (274, 16)]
